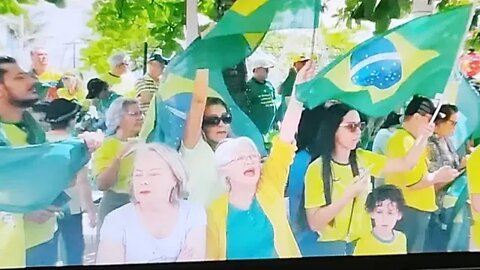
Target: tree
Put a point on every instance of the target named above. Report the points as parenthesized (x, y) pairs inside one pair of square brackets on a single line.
[(125, 25), (14, 6)]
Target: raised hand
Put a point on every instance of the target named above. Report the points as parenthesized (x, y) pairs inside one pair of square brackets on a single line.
[(200, 88), (306, 73)]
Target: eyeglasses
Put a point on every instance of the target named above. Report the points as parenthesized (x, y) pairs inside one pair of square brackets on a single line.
[(354, 126), (454, 123), (243, 158), (134, 113), (226, 118)]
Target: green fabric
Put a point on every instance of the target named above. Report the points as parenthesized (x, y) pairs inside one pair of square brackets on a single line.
[(260, 104), (387, 70), (104, 104), (235, 37), (35, 133)]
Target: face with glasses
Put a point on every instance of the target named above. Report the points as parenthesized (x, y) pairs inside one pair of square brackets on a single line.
[(349, 131), (447, 128), (216, 123), (18, 87), (132, 120), (242, 162)]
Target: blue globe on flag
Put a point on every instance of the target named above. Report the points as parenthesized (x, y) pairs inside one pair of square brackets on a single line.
[(376, 64)]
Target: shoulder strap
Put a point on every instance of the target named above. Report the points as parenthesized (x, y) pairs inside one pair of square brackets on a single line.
[(355, 172)]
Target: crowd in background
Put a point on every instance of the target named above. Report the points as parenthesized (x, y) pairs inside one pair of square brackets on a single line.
[(216, 197)]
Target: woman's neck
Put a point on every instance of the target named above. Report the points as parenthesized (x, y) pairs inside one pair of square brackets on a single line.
[(242, 197), (155, 208), (123, 135), (341, 155)]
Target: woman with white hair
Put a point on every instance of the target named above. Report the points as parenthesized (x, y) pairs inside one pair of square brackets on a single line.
[(158, 225), (112, 168), (250, 220), (119, 77)]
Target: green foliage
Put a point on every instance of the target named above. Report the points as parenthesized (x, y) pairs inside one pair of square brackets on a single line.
[(14, 7), (125, 25)]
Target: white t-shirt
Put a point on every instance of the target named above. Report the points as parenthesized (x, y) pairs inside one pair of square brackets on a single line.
[(124, 226), (203, 185)]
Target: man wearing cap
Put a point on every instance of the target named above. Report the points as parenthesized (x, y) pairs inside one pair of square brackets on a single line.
[(99, 91), (260, 97), (148, 85), (417, 185), (118, 77), (286, 87)]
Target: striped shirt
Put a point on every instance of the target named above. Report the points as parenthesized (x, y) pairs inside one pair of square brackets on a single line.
[(146, 84)]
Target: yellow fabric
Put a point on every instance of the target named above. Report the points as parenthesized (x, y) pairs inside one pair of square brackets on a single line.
[(12, 233), (35, 234), (121, 85), (473, 176), (269, 194), (397, 147), (342, 178), (370, 245), (103, 158), (79, 96), (49, 76)]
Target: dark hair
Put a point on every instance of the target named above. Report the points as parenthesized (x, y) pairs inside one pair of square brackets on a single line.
[(308, 127), (419, 105), (383, 193), (324, 144), (5, 60), (392, 119), (216, 101), (446, 112)]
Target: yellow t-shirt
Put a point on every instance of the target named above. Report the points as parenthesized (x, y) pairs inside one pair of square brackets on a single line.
[(371, 245), (79, 96), (124, 86), (35, 234), (473, 176), (342, 178), (103, 158), (397, 147), (49, 76)]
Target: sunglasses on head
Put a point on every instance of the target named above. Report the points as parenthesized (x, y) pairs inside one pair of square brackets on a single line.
[(226, 118), (354, 126)]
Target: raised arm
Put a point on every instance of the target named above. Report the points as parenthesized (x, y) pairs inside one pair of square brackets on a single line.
[(193, 126)]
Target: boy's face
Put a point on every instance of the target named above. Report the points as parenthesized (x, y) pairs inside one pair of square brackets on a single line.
[(386, 215)]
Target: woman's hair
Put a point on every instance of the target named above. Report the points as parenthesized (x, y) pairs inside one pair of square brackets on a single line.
[(216, 101), (308, 126), (78, 79), (393, 119), (223, 151), (325, 143), (174, 162), (116, 112), (446, 112)]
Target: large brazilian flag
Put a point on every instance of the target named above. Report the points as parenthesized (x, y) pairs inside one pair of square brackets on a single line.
[(235, 37)]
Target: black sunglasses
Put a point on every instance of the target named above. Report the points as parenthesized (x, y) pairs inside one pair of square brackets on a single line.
[(226, 118), (352, 127)]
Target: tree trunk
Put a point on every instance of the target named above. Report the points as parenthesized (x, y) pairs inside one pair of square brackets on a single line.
[(235, 77)]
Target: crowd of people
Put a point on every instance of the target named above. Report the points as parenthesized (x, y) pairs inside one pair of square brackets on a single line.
[(217, 197)]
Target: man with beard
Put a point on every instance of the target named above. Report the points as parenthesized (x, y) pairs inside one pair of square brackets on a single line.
[(33, 232)]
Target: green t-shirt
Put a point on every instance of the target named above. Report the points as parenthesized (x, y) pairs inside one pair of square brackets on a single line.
[(260, 107), (287, 85)]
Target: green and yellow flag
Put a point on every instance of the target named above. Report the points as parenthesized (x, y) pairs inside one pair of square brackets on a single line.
[(385, 71), (235, 37)]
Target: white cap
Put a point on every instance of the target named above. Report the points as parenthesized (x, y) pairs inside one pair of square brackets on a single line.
[(262, 63)]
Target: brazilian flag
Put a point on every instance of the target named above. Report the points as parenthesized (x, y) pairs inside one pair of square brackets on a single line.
[(31, 177), (385, 71), (234, 38)]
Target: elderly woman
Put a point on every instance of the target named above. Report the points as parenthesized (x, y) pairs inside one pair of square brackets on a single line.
[(111, 167), (250, 220), (158, 225), (448, 231)]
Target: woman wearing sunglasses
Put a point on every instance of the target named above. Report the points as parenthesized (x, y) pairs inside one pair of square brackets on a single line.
[(338, 182), (443, 153), (208, 123), (250, 220)]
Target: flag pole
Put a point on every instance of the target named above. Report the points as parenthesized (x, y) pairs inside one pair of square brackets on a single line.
[(459, 53), (316, 15)]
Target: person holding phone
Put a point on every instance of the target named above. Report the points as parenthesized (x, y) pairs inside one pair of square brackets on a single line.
[(338, 181), (448, 231), (416, 183)]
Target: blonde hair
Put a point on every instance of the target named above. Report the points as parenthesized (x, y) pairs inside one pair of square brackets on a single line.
[(174, 162), (78, 79)]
